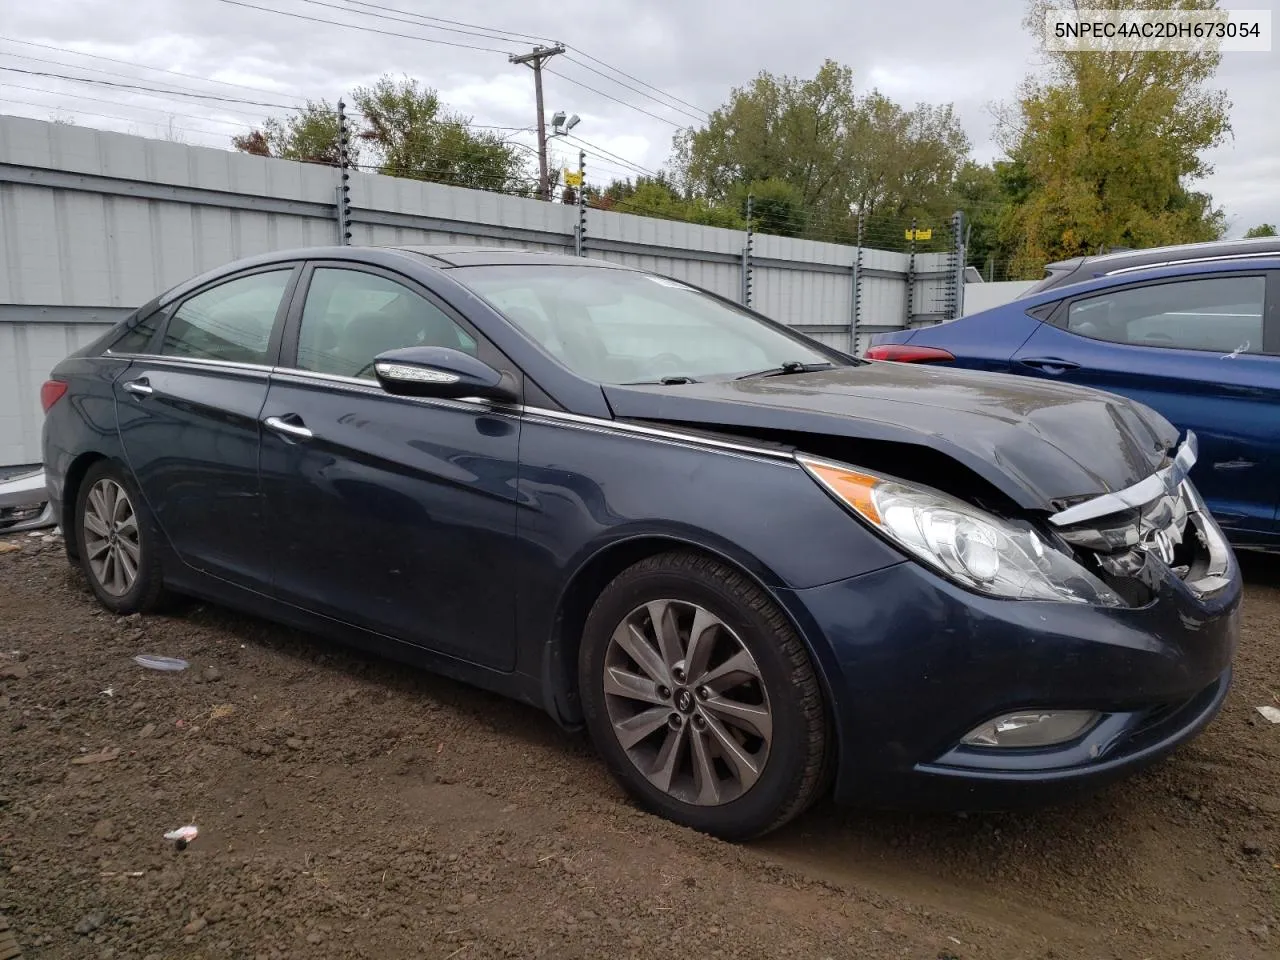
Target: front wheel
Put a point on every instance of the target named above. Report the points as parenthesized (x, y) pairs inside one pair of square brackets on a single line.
[(117, 545), (702, 698)]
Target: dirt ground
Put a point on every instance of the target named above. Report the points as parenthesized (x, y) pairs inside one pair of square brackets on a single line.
[(352, 808)]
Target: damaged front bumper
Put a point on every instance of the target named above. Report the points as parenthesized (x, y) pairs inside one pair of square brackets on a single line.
[(917, 663), (25, 503)]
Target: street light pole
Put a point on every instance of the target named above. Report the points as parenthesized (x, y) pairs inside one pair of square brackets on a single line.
[(534, 60)]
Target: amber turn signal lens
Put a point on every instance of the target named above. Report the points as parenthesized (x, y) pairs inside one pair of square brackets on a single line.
[(850, 486)]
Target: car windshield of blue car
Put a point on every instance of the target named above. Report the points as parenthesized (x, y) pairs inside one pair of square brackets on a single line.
[(623, 326)]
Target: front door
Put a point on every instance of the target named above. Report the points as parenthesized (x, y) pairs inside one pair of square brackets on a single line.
[(1198, 351), (188, 415), (390, 513)]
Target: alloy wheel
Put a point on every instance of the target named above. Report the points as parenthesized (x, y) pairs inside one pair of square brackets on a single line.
[(112, 542), (687, 703)]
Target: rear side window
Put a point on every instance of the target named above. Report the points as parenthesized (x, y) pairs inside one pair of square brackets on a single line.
[(138, 340), (1220, 314), (232, 321)]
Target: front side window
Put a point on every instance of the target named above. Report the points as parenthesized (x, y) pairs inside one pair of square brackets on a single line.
[(623, 326), (231, 321), (1221, 314), (350, 317)]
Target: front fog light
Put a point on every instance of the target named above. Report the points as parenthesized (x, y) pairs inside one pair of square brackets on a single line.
[(1031, 729)]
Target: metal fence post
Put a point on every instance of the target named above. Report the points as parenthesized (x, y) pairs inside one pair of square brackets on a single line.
[(580, 232), (855, 303), (343, 197), (911, 275), (958, 257), (746, 252)]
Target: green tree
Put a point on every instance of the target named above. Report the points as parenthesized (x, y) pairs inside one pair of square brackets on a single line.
[(1261, 230), (1105, 145), (657, 197), (413, 135), (839, 153), (311, 135)]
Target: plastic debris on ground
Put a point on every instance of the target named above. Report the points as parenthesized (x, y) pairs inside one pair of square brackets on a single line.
[(183, 835), (168, 664), (1271, 713)]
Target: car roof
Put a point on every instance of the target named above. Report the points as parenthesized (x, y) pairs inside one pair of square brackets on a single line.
[(438, 256), (474, 256), (1063, 272)]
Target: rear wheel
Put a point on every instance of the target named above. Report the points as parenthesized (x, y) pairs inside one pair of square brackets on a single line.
[(701, 697), (116, 542)]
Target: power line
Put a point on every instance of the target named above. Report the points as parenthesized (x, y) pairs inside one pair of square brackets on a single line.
[(141, 66), (510, 35), (670, 96), (134, 86), (55, 107), (678, 126), (117, 103), (490, 33), (356, 26), (587, 143), (701, 116)]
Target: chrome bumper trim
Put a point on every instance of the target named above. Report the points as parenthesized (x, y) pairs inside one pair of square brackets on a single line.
[(1163, 482), (27, 490)]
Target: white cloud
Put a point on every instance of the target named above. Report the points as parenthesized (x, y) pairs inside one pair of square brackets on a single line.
[(697, 50)]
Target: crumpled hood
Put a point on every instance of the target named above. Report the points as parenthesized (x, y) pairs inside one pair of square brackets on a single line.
[(1039, 443)]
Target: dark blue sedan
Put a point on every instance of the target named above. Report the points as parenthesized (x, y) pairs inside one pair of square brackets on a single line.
[(1197, 337), (753, 567)]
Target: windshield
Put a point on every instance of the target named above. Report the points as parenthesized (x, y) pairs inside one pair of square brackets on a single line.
[(622, 326)]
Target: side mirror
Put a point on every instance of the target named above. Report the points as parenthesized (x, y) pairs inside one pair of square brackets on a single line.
[(440, 372)]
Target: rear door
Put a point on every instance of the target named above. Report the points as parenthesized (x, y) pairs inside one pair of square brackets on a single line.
[(394, 514), (1200, 350), (188, 409)]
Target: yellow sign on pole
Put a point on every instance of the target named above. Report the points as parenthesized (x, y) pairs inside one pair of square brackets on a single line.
[(572, 179), (919, 234)]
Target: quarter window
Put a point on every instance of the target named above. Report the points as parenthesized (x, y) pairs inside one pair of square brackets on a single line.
[(232, 321), (350, 317), (1221, 314), (139, 338)]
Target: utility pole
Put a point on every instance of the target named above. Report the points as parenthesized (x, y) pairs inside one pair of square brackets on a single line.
[(534, 60)]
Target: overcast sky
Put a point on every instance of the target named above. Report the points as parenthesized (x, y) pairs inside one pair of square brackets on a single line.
[(970, 53)]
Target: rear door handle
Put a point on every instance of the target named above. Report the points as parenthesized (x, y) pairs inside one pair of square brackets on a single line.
[(140, 387), (295, 431), (1050, 365)]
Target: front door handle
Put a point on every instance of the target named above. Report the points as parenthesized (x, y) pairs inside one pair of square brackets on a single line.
[(1050, 365), (140, 387), (293, 430)]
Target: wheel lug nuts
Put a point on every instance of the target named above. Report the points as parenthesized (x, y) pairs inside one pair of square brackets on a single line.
[(678, 674), (699, 722), (704, 693), (676, 721), (664, 693)]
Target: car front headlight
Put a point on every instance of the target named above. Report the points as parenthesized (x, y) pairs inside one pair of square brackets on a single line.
[(1002, 558)]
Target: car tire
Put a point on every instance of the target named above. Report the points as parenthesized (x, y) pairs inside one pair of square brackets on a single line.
[(116, 541), (715, 763)]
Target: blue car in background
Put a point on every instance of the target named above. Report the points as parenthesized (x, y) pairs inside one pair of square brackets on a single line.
[(1193, 332)]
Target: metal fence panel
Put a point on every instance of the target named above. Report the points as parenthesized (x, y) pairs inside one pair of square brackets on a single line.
[(93, 223)]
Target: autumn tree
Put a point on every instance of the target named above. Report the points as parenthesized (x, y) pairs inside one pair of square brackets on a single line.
[(404, 129), (311, 134), (413, 135), (838, 153), (1105, 146)]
